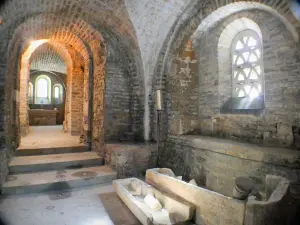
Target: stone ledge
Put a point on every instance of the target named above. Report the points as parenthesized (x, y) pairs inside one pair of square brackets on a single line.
[(270, 155)]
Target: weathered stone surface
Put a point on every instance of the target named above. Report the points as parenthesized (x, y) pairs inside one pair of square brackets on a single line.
[(178, 209), (42, 117), (285, 134), (215, 163), (131, 159), (198, 91), (211, 208), (271, 211), (4, 160)]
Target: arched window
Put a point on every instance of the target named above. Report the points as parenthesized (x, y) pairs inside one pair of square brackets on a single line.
[(58, 93), (43, 90), (30, 93), (247, 64)]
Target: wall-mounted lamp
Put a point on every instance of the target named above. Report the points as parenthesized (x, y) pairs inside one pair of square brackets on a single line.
[(158, 110), (158, 100)]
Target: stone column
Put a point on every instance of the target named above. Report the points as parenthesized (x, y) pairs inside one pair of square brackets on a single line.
[(76, 101), (23, 96), (98, 99)]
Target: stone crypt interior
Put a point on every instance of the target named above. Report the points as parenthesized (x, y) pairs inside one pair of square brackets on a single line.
[(147, 112)]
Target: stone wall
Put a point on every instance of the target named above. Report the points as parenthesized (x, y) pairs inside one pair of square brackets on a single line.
[(99, 52), (131, 160), (118, 97), (204, 92), (215, 163), (4, 160)]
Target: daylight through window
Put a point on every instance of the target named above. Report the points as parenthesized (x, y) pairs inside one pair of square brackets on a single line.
[(247, 65)]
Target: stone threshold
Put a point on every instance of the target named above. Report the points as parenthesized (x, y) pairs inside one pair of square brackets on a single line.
[(269, 155)]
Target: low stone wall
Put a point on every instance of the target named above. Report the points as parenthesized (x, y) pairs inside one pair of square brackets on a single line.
[(4, 159), (215, 163), (131, 159), (40, 117)]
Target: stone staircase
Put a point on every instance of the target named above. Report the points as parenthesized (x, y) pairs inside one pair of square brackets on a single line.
[(39, 170)]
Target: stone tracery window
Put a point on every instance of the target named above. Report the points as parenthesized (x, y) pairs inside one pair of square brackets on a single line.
[(247, 72)]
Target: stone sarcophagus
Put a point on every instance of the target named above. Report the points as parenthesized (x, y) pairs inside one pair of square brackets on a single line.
[(213, 208), (150, 205)]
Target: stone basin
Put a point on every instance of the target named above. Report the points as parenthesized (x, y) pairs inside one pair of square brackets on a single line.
[(177, 210)]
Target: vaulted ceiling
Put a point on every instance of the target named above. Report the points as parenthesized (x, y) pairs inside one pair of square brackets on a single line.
[(46, 58)]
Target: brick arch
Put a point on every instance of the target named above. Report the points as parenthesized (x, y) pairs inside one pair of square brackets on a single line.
[(47, 58), (75, 32), (194, 14), (93, 51), (78, 27), (198, 11), (109, 15), (25, 61), (105, 21)]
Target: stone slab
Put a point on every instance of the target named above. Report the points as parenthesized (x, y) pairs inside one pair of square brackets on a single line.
[(57, 180), (179, 210), (48, 151), (212, 208), (270, 155), (55, 161)]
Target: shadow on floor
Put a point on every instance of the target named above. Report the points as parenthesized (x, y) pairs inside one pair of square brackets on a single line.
[(2, 221), (117, 210)]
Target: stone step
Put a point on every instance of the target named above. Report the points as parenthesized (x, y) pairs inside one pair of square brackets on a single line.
[(24, 164), (48, 151), (57, 180)]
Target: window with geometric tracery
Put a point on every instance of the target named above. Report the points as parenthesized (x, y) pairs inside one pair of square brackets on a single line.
[(247, 65)]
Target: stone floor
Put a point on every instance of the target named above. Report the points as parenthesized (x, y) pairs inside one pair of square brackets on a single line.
[(48, 137), (95, 205)]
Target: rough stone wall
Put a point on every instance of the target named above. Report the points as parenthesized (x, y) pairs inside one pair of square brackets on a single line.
[(194, 14), (278, 123), (99, 61), (199, 112), (118, 97), (218, 171), (23, 107), (77, 95), (137, 104), (183, 92), (131, 160)]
